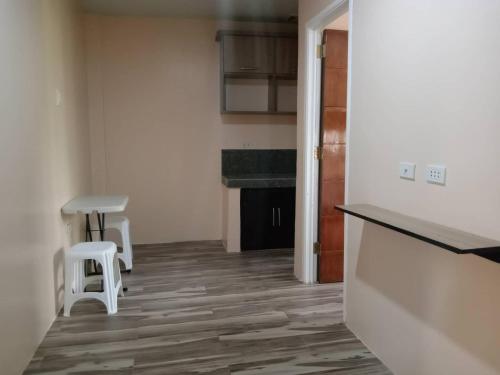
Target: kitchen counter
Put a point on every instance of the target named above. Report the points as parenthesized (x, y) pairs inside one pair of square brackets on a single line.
[(259, 180), (246, 171)]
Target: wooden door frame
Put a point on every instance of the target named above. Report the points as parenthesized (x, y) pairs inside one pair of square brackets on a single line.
[(311, 134)]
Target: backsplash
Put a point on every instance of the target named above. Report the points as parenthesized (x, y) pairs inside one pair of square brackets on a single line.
[(235, 162)]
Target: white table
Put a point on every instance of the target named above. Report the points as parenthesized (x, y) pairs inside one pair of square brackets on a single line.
[(98, 203), (101, 205)]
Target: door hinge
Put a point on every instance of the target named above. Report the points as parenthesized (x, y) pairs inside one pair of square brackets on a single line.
[(318, 152), (321, 51), (317, 248)]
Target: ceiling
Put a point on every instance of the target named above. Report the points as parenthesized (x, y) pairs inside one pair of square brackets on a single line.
[(241, 10)]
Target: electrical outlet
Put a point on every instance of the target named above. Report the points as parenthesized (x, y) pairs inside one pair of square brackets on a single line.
[(407, 170), (69, 228), (436, 174)]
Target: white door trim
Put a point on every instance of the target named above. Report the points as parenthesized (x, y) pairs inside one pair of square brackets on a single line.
[(312, 98)]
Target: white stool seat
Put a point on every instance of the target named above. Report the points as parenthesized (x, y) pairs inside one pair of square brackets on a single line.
[(75, 280), (91, 249), (122, 224)]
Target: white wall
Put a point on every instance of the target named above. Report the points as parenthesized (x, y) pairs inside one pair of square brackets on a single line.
[(156, 130), (425, 83), (44, 162)]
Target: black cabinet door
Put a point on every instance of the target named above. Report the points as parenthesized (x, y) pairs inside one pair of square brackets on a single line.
[(256, 213), (267, 218), (284, 231)]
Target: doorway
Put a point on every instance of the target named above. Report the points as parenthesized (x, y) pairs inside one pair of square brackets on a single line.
[(334, 12)]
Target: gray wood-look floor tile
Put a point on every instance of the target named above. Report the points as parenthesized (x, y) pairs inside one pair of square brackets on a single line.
[(192, 308)]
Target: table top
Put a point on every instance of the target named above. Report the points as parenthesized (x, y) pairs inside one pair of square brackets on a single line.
[(100, 203)]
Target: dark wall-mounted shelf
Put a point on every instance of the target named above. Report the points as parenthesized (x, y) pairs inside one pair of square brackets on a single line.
[(454, 240)]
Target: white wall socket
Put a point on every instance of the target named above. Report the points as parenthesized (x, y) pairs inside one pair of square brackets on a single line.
[(436, 174), (69, 228), (407, 170)]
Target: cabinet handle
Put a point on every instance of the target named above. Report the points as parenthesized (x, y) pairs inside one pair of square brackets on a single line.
[(273, 216), (279, 217), (248, 68)]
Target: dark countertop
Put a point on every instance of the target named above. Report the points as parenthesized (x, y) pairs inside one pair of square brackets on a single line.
[(259, 180), (244, 168)]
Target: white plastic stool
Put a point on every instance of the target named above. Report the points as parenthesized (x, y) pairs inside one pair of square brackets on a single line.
[(75, 280), (122, 224)]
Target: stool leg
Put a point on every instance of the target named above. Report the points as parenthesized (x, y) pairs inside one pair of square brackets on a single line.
[(69, 280), (118, 275), (109, 289), (127, 246), (79, 276)]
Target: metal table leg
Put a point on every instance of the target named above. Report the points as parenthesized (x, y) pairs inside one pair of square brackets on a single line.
[(88, 238), (101, 217), (100, 222)]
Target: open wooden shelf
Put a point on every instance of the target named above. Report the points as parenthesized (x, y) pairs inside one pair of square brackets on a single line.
[(454, 240), (258, 72)]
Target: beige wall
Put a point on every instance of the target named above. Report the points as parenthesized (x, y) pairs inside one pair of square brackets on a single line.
[(156, 130), (425, 89), (231, 224), (44, 162), (340, 23)]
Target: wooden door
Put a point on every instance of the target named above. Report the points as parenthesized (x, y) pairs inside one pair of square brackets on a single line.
[(332, 160)]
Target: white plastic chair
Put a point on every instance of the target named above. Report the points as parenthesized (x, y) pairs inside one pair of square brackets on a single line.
[(122, 224), (75, 280)]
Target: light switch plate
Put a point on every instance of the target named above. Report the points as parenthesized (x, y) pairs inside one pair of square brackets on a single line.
[(407, 170), (435, 174)]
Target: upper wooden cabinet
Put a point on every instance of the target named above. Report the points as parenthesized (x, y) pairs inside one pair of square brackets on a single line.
[(286, 56), (258, 72), (248, 54)]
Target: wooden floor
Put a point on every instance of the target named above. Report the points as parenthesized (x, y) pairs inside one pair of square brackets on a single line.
[(191, 308)]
